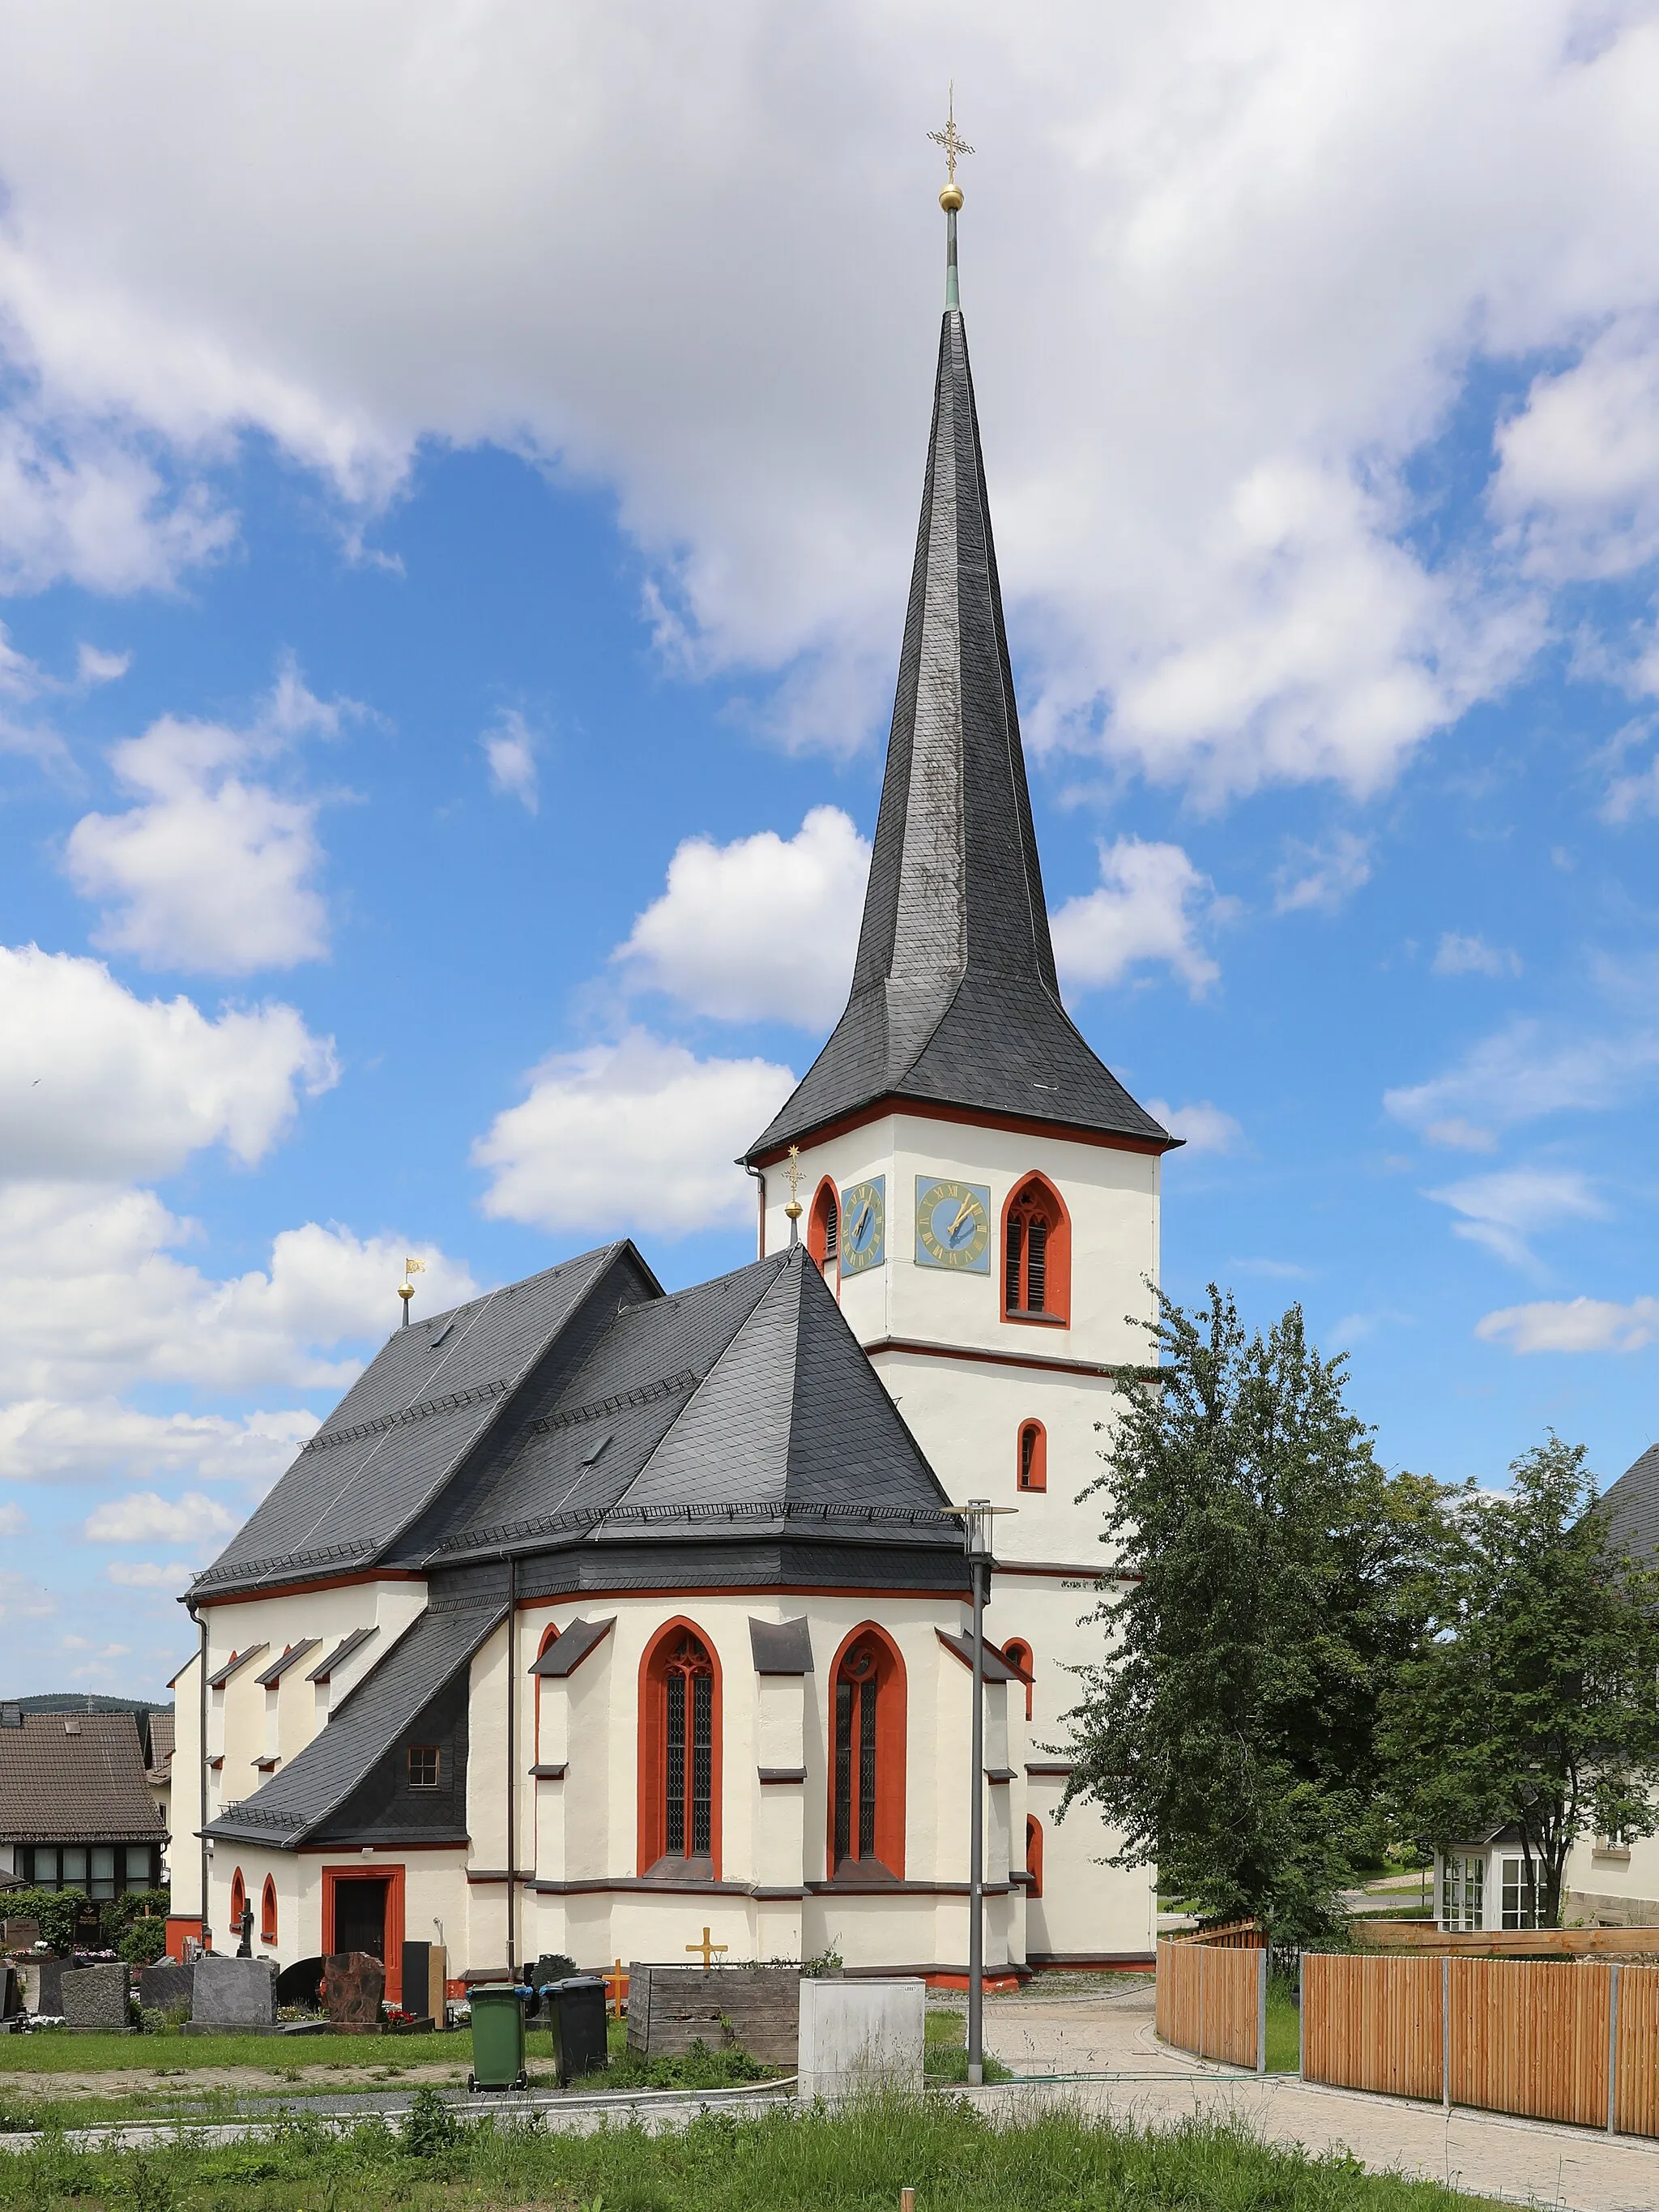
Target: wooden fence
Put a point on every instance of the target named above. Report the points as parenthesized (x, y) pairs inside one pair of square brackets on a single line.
[(1505, 1942), (1576, 2041), (1212, 1995)]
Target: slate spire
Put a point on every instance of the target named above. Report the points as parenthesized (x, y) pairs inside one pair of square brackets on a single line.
[(954, 999)]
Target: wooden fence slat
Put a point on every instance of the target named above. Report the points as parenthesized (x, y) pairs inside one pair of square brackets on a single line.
[(1207, 1997)]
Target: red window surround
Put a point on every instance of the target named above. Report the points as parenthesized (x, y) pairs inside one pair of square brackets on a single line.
[(680, 1751), (1033, 1854), (867, 1724), (374, 1870), (238, 1903), (1019, 1655), (550, 1637), (267, 1912), (1032, 1457), (823, 1231), (1036, 1256)]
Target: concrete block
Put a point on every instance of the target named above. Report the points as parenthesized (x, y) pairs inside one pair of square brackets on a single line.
[(95, 2000), (232, 1996), (859, 2037)]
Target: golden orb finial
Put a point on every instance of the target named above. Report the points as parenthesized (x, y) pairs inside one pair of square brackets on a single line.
[(412, 1268), (951, 199)]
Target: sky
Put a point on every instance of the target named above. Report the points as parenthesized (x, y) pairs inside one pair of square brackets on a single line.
[(459, 473)]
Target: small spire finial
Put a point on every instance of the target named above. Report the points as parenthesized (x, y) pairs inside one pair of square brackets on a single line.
[(951, 199), (406, 1288), (794, 1208)]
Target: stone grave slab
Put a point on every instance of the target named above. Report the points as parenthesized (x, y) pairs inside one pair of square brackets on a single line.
[(11, 1992), (95, 2000), (354, 1984), (859, 2037), (18, 1934), (49, 1986), (232, 1996), (166, 1987)]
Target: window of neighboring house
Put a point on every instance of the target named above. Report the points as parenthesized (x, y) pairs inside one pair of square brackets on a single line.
[(267, 1912), (141, 1864), (866, 1811), (823, 1231), (1521, 1887), (1017, 1653), (1462, 1891), (45, 1867), (1033, 1455), (1033, 1854), (1037, 1254), (423, 1763), (238, 1902), (679, 1753)]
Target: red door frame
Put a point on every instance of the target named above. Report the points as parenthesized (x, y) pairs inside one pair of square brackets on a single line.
[(392, 1876)]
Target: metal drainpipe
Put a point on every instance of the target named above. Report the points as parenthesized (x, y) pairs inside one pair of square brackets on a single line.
[(200, 1618), (511, 1755), (759, 1174), (977, 1849)]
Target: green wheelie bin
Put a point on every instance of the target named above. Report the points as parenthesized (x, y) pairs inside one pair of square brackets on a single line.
[(497, 2038)]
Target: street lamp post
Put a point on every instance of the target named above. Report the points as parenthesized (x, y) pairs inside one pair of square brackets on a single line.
[(976, 1518)]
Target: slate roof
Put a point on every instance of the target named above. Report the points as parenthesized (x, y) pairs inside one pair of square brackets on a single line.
[(368, 1723), (87, 1787), (1631, 1505), (955, 999)]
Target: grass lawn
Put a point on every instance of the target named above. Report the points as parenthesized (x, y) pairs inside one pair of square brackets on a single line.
[(853, 2161), (55, 2051), (944, 2051)]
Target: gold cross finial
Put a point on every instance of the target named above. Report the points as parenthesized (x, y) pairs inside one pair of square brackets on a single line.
[(794, 1209), (955, 147), (707, 1949)]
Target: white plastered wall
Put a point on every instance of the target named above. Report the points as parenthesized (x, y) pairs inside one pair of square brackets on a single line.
[(1618, 1884)]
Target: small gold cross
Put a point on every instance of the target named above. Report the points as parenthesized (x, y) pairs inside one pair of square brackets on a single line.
[(707, 1949), (954, 146)]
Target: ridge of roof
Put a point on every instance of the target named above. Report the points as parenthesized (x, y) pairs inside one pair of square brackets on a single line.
[(1631, 1507), (955, 997)]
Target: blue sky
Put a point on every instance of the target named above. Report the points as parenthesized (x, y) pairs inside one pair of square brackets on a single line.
[(452, 590)]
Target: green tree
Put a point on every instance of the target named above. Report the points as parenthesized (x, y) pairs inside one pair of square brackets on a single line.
[(1267, 1577), (1534, 1695)]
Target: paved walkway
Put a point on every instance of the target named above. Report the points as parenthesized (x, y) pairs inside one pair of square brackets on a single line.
[(1058, 2032)]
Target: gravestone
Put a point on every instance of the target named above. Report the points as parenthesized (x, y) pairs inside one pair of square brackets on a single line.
[(11, 1994), (166, 1987), (18, 1935), (299, 1985), (752, 2008), (49, 1995), (232, 1996), (354, 1984), (95, 2000), (859, 2037)]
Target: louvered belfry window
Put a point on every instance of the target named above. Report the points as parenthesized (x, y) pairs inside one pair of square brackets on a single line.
[(856, 1685), (824, 1235), (1025, 1259), (688, 1682)]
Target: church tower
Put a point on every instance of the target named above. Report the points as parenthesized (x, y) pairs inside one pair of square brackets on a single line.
[(979, 1189)]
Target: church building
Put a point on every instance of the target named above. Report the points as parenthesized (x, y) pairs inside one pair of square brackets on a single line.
[(595, 1616)]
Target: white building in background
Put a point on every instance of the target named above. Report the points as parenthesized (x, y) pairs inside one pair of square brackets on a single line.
[(594, 1617)]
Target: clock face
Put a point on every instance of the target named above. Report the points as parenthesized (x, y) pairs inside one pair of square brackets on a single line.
[(953, 1225), (864, 1225)]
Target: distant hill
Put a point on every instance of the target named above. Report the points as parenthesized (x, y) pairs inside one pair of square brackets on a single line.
[(86, 1701)]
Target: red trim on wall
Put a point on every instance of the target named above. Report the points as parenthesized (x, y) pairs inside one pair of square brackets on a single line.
[(651, 1731), (267, 1912), (971, 1117), (829, 1263), (1022, 1664), (391, 1874), (892, 1745), (1033, 1854), (1057, 1285), (1035, 1476), (178, 1928), (238, 1903)]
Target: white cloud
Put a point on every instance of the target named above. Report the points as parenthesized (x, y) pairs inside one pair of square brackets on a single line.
[(510, 751), (1205, 1127), (146, 1518), (149, 1575), (1200, 470), (1150, 907), (763, 929), (212, 869), (13, 1520), (1473, 956), (1573, 1325), (96, 1083), (1458, 1135), (21, 1598), (93, 666), (1521, 1075), (637, 1135), (1322, 877), (1501, 1210)]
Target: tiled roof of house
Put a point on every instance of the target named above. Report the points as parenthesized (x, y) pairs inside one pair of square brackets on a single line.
[(161, 1746), (68, 1777), (955, 1001), (1631, 1505)]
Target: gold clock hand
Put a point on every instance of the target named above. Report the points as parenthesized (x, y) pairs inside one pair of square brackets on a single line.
[(966, 1208), (863, 1216)]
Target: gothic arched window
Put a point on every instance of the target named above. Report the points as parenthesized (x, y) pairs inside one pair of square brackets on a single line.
[(679, 1754), (550, 1637), (1032, 1457), (238, 1903), (824, 1230), (1037, 1254), (1033, 1854), (267, 1912), (866, 1778), (1017, 1653)]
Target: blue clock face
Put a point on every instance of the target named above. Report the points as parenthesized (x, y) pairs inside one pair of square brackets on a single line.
[(864, 1225), (953, 1225)]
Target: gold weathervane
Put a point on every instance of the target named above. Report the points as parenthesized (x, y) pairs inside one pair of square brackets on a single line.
[(406, 1288), (951, 199)]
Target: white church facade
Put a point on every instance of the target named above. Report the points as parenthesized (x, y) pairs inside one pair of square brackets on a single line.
[(594, 1616)]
